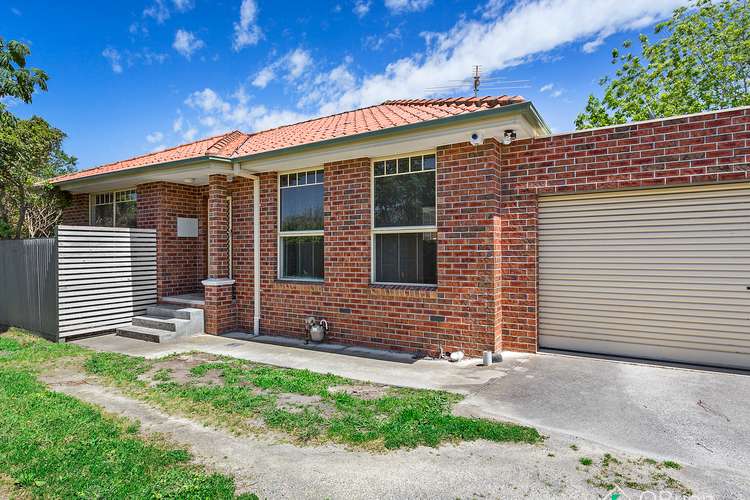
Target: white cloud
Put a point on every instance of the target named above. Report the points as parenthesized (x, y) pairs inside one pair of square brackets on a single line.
[(178, 122), (264, 76), (158, 11), (160, 147), (398, 6), (183, 5), (297, 61), (553, 90), (361, 8), (246, 31), (186, 43), (114, 58), (516, 35), (154, 137), (15, 11), (208, 101), (293, 64), (190, 134), (597, 42), (522, 33)]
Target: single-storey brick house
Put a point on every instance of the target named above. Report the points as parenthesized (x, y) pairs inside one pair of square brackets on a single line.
[(460, 223)]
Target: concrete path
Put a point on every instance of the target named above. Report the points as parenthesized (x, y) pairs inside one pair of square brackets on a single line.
[(695, 417)]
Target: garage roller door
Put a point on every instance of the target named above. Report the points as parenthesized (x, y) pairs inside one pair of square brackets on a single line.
[(660, 274)]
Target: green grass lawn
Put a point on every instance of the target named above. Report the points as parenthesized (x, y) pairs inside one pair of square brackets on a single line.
[(308, 406), (55, 446)]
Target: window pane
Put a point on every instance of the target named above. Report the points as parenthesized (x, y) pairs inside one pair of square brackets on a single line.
[(416, 163), (127, 215), (429, 162), (405, 200), (302, 257), (390, 167), (302, 208), (379, 168), (102, 215), (403, 165), (319, 177), (406, 258), (284, 180)]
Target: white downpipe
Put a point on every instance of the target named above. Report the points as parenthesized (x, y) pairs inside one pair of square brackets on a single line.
[(256, 245)]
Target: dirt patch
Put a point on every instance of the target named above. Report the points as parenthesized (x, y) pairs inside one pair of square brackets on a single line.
[(363, 391), (639, 474), (63, 376), (297, 403), (177, 369), (8, 489)]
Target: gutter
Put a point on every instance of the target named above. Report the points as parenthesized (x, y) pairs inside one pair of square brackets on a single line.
[(526, 109)]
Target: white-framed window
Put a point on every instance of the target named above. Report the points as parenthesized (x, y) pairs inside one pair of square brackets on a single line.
[(114, 209), (301, 225), (404, 224)]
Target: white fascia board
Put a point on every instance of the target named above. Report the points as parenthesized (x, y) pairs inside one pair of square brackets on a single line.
[(198, 172)]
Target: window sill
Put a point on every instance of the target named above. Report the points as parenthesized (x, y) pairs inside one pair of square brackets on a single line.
[(292, 281), (409, 287)]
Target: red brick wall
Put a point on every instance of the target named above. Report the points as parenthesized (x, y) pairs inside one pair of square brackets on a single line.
[(707, 148), (241, 191), (77, 213), (178, 265), (459, 314)]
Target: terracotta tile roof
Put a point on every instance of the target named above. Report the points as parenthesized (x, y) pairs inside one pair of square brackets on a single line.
[(234, 144)]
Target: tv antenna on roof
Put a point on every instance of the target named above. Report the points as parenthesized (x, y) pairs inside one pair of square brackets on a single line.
[(475, 81)]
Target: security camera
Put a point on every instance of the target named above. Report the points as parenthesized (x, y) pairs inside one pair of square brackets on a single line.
[(476, 138), (509, 136)]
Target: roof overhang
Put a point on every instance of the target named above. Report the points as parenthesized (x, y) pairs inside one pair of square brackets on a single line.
[(523, 118)]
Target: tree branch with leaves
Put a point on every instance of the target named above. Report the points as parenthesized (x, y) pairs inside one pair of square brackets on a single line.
[(699, 62)]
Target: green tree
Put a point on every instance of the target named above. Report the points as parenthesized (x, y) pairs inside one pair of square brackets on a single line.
[(16, 80), (31, 153), (700, 62)]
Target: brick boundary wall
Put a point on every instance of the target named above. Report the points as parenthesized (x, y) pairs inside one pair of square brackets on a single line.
[(699, 149)]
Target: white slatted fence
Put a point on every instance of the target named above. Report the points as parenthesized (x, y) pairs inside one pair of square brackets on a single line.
[(105, 277)]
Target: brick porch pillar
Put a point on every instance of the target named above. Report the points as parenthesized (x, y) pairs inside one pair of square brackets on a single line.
[(219, 308)]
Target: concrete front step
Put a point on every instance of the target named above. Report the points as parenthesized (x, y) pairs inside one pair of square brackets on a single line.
[(164, 322), (171, 311), (146, 334)]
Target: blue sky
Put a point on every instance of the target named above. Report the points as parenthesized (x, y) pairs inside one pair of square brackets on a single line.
[(127, 78)]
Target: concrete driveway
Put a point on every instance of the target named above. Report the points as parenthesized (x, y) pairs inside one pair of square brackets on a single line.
[(695, 417)]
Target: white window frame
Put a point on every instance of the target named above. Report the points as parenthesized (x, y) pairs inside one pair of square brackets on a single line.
[(280, 235), (399, 229), (92, 203)]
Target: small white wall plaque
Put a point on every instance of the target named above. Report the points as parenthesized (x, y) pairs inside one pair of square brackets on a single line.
[(187, 227)]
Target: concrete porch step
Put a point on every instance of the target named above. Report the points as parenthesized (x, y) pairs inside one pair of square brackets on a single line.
[(164, 322), (146, 334)]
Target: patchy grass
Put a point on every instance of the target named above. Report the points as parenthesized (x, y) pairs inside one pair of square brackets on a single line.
[(585, 461), (671, 465), (643, 474), (308, 406), (55, 446)]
